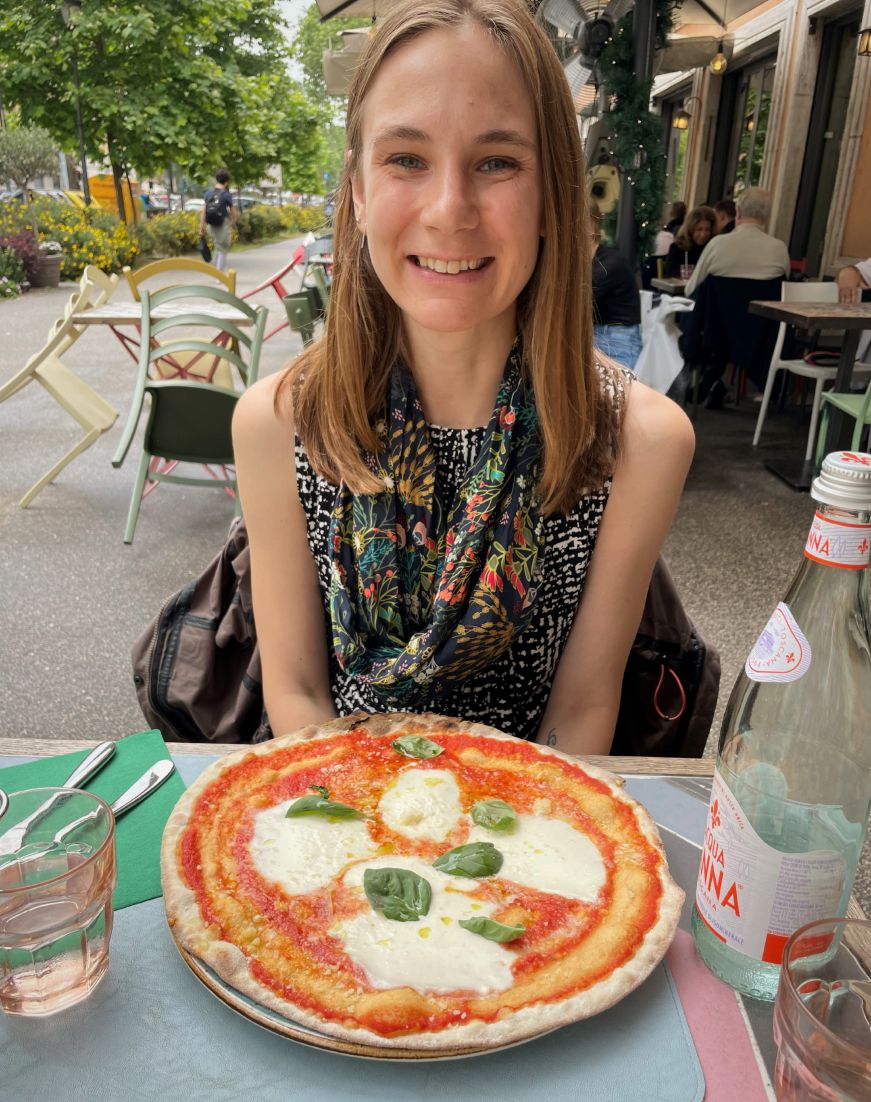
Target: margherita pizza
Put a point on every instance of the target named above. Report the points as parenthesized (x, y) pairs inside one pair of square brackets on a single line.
[(412, 881)]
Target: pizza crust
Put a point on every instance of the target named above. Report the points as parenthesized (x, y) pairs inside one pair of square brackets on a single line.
[(230, 963)]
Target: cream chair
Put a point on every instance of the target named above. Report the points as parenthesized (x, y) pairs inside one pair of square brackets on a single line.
[(80, 401), (803, 292)]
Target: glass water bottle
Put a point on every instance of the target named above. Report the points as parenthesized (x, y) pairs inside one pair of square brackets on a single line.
[(791, 791)]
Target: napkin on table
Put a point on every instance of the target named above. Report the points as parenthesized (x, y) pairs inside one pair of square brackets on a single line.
[(138, 831)]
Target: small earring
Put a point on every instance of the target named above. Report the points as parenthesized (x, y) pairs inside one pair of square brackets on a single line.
[(362, 240)]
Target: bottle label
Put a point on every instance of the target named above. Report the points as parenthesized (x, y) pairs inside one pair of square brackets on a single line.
[(752, 896), (781, 653), (839, 543)]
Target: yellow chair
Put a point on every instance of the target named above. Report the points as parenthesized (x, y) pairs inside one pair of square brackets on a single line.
[(190, 364), (80, 401)]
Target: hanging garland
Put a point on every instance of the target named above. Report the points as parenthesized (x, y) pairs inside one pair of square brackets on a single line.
[(636, 135)]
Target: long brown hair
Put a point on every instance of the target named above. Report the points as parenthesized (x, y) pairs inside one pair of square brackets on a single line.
[(684, 236), (339, 383)]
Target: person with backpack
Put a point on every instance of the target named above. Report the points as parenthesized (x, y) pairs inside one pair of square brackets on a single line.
[(219, 217)]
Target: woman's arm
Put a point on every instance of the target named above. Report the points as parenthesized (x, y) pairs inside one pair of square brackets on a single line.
[(658, 446), (288, 610)]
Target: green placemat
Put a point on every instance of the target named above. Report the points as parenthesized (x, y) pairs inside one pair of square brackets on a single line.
[(138, 831)]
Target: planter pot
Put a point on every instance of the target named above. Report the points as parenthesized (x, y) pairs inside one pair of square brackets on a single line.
[(47, 272)]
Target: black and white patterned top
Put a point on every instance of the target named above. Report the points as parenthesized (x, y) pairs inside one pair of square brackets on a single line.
[(512, 693)]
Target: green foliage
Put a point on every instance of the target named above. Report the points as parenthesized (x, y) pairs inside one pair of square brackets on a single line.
[(258, 222), (11, 273), (311, 38), (169, 234), (81, 241), (25, 251), (25, 153), (165, 82), (636, 133)]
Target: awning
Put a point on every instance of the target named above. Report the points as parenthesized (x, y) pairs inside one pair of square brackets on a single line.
[(701, 13)]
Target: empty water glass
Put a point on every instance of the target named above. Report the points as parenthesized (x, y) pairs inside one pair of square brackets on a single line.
[(822, 1015)]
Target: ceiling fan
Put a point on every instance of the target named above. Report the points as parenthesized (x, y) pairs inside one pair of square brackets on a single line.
[(579, 32)]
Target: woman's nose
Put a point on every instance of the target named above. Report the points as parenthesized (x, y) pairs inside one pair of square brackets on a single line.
[(450, 203)]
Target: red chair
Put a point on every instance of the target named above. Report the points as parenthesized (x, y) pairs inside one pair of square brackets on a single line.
[(275, 283)]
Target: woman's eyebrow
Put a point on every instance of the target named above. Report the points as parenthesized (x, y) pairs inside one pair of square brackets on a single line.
[(489, 137), (504, 137)]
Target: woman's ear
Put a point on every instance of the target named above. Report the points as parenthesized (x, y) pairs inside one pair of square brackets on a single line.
[(358, 194)]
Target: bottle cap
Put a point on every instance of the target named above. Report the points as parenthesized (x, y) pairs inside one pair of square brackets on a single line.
[(844, 480)]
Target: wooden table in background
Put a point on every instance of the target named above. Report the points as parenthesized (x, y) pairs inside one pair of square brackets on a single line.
[(670, 285), (850, 320)]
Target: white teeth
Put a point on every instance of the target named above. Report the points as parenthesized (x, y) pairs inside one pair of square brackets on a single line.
[(450, 267)]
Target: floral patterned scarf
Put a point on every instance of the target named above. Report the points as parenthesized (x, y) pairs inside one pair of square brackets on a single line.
[(422, 595)]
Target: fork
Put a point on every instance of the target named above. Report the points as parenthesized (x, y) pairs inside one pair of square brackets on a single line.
[(14, 837)]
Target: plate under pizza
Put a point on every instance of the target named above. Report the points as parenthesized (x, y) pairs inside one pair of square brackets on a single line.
[(415, 887)]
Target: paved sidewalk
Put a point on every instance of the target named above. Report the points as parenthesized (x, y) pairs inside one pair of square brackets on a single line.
[(73, 597)]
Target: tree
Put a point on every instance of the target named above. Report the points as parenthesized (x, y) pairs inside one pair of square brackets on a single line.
[(311, 38), (25, 153), (173, 81)]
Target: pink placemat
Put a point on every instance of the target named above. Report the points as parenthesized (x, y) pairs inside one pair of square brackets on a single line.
[(719, 1030)]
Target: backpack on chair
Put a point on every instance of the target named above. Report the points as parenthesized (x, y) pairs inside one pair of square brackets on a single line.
[(196, 667)]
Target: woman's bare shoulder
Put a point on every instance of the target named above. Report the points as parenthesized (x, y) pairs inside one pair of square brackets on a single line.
[(653, 421), (259, 418)]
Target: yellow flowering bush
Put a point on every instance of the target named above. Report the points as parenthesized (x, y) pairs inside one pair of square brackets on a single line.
[(86, 237)]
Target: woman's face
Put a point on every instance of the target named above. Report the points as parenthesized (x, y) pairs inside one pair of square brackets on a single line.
[(702, 232), (447, 186)]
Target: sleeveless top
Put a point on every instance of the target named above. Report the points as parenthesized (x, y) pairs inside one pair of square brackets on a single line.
[(511, 694)]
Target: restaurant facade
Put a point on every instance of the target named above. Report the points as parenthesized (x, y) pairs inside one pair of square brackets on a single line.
[(790, 112)]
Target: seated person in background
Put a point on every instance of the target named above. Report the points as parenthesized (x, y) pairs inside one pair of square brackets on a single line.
[(676, 217), (748, 252), (691, 239), (616, 305), (725, 211), (854, 276)]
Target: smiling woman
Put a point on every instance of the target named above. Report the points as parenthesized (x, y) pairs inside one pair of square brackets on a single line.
[(464, 469)]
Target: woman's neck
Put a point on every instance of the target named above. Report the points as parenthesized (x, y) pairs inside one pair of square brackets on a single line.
[(457, 375)]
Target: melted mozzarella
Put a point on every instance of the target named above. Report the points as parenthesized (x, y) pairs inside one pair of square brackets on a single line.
[(434, 954), (549, 855), (422, 803), (307, 851)]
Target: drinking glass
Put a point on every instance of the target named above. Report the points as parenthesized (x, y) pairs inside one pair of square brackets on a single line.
[(57, 875), (822, 1014), (686, 270), (851, 296)]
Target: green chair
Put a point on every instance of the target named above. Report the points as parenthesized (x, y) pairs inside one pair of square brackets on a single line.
[(856, 406), (300, 315), (189, 421)]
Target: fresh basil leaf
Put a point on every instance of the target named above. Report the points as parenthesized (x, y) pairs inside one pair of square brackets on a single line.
[(320, 788), (416, 746), (399, 894), (494, 814), (474, 859), (492, 930), (317, 805)]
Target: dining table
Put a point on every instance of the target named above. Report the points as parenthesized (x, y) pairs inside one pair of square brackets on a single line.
[(669, 285), (155, 1022), (849, 319)]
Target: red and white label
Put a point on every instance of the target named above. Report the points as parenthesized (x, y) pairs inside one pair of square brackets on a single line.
[(752, 896), (781, 653), (839, 543)]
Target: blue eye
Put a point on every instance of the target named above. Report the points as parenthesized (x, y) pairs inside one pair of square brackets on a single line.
[(405, 160), (498, 164)]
